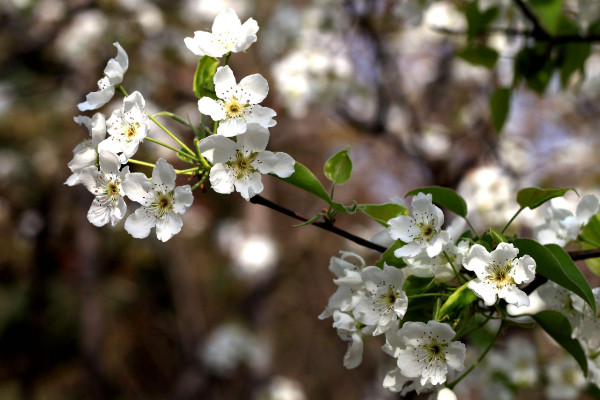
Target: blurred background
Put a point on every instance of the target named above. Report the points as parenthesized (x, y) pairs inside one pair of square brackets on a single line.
[(227, 309)]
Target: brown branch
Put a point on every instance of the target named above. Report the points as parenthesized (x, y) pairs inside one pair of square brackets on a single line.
[(584, 254), (327, 225)]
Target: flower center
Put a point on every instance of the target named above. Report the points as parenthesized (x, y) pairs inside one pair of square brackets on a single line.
[(427, 230), (110, 192), (163, 204), (242, 165), (388, 299), (129, 130), (435, 351), (500, 276), (233, 108)]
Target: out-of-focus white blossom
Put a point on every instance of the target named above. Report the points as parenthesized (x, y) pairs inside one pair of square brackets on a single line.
[(565, 379), (282, 388)]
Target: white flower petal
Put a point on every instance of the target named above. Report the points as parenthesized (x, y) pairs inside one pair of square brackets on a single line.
[(280, 164), (182, 198), (504, 253), (477, 260), (411, 249), (587, 207), (483, 290), (261, 115), (403, 227), (224, 82), (140, 223), (98, 214), (168, 225), (232, 127), (249, 185), (253, 89), (208, 106), (513, 295), (164, 175), (455, 355), (82, 159), (255, 139), (353, 356), (89, 178), (221, 179), (441, 331), (523, 270), (247, 36), (226, 21), (109, 163), (394, 380), (137, 186), (217, 149)]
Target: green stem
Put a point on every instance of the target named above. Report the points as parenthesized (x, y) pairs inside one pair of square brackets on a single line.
[(512, 219), (146, 164), (472, 228), (200, 182), (216, 125), (227, 58), (436, 308), (122, 90), (463, 334), (416, 296), (185, 171), (460, 278), (481, 357), (193, 157), (161, 126)]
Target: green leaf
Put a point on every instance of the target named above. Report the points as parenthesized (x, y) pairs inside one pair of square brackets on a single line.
[(479, 55), (339, 167), (534, 197), (499, 107), (558, 326), (535, 66), (461, 298), (382, 213), (306, 180), (556, 265), (497, 237), (203, 78), (591, 233), (478, 21), (571, 58), (548, 12), (416, 285), (389, 258), (444, 197), (310, 221)]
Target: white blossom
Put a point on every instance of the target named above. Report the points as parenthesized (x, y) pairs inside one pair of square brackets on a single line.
[(113, 75), (348, 331), (439, 267), (239, 165), (349, 281), (422, 231), (85, 154), (238, 103), (589, 329), (106, 185), (557, 298), (498, 273), (384, 303), (561, 226), (161, 202), (228, 35), (126, 127), (565, 379), (426, 354)]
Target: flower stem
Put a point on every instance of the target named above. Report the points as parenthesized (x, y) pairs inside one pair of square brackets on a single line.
[(472, 228), (193, 157), (200, 182), (146, 164), (122, 90), (460, 278), (187, 171), (416, 296), (481, 357), (161, 126), (512, 219), (216, 125), (227, 58)]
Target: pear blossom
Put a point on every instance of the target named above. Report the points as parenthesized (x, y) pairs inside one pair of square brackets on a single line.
[(85, 154), (349, 281), (565, 379), (557, 298), (422, 231), (161, 202), (126, 127), (426, 355), (439, 267), (113, 75), (561, 226), (498, 273), (238, 103), (589, 328), (106, 185), (228, 35), (348, 331), (239, 165), (384, 303)]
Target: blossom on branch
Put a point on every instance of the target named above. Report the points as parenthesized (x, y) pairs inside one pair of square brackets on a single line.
[(421, 232), (161, 202), (113, 75), (106, 185), (499, 273), (228, 35), (239, 165), (238, 103), (85, 154), (126, 127)]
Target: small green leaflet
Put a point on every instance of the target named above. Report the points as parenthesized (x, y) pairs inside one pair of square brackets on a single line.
[(461, 298), (499, 107), (534, 197), (382, 213), (203, 78), (339, 167), (306, 180)]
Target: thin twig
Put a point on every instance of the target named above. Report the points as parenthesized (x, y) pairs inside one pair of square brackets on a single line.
[(584, 254), (327, 225)]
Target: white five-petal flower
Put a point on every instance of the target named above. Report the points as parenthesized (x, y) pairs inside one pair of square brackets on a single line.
[(422, 231), (384, 303), (499, 273), (348, 331), (106, 185), (560, 225), (228, 35), (238, 103), (350, 285), (126, 127), (113, 75), (239, 165), (425, 353), (161, 202), (85, 154)]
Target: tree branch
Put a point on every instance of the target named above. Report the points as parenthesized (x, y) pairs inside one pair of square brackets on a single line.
[(584, 254), (538, 30), (327, 225), (561, 39)]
